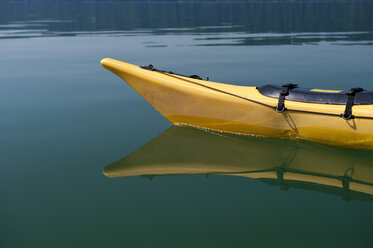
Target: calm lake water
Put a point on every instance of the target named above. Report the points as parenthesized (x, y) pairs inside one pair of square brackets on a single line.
[(65, 120)]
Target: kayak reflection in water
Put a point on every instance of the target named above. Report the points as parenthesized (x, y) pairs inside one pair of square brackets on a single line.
[(289, 164)]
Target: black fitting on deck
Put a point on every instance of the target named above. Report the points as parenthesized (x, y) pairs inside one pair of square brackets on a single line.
[(281, 99), (350, 102), (152, 68), (148, 67)]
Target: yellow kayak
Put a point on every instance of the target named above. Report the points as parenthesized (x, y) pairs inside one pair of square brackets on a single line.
[(286, 163), (341, 118)]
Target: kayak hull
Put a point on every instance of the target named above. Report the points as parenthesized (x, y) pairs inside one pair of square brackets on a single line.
[(243, 110)]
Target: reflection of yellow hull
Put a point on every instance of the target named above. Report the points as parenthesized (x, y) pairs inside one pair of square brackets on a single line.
[(182, 150), (240, 109)]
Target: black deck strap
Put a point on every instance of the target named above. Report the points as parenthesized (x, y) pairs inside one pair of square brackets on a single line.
[(350, 102), (281, 99)]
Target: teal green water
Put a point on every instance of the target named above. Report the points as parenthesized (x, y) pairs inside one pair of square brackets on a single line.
[(65, 118)]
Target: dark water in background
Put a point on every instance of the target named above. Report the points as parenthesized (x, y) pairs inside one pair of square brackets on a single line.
[(64, 118)]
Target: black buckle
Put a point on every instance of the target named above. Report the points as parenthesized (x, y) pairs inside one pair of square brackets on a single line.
[(281, 99), (350, 102)]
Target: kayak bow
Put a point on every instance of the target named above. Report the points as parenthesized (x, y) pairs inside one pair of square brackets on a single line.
[(316, 115)]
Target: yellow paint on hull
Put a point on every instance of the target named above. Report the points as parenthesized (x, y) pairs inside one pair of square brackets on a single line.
[(242, 109)]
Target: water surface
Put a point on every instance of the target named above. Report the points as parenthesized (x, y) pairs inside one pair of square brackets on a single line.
[(64, 119)]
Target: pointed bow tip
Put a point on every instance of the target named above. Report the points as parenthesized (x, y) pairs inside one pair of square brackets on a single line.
[(104, 62), (110, 64)]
